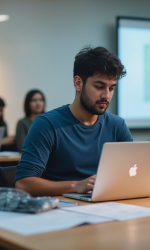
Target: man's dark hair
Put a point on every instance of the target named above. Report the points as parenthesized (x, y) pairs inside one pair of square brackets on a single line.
[(90, 61), (28, 100), (2, 104)]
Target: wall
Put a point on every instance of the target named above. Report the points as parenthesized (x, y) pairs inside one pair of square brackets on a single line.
[(39, 42)]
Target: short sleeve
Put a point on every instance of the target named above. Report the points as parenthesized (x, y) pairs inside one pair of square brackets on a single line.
[(37, 149)]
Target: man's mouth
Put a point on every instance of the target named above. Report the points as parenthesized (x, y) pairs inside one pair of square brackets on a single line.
[(103, 104)]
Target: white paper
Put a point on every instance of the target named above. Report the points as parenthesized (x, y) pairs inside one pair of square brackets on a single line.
[(112, 210), (56, 219), (64, 218)]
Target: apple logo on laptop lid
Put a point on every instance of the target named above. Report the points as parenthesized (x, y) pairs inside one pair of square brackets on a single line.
[(133, 170)]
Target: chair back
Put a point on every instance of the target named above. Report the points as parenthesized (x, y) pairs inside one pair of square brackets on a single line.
[(7, 176)]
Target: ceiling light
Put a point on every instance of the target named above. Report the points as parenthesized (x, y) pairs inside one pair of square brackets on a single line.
[(4, 18)]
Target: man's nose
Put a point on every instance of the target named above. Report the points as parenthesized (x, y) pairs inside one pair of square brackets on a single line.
[(106, 94)]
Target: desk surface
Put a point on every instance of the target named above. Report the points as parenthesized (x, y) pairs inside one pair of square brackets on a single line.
[(10, 158), (131, 234)]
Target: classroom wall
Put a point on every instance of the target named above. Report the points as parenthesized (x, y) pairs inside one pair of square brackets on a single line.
[(39, 42)]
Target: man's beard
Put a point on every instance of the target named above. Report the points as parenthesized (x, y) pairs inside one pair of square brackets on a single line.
[(90, 107)]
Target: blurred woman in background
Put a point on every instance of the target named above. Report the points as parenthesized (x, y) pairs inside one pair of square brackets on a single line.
[(7, 143), (34, 105)]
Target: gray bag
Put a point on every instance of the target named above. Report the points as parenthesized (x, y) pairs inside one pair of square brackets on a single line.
[(16, 200)]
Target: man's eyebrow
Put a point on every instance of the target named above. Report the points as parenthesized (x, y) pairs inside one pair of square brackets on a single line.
[(101, 82)]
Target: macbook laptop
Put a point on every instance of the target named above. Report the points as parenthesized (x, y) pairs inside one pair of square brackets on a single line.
[(2, 130), (123, 173)]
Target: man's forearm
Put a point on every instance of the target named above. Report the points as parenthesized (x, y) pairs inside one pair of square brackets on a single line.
[(40, 187)]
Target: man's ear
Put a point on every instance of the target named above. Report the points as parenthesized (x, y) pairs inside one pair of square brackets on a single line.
[(78, 83)]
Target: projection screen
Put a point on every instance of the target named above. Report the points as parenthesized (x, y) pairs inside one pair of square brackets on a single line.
[(133, 91)]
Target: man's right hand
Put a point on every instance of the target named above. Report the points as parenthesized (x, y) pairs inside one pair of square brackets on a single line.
[(85, 185)]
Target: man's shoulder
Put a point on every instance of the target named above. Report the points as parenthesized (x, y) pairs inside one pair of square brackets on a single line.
[(117, 126), (58, 112), (56, 117), (108, 117)]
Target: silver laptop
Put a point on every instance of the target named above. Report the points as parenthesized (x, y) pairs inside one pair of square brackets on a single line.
[(123, 173), (2, 130)]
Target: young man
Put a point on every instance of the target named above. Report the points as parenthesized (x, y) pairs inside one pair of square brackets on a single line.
[(63, 146)]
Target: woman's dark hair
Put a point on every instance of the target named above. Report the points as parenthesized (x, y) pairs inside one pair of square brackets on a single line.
[(2, 104), (89, 62), (28, 100)]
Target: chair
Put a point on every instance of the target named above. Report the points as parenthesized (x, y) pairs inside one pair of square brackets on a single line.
[(7, 176)]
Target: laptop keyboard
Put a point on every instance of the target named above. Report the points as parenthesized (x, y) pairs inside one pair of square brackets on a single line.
[(86, 196)]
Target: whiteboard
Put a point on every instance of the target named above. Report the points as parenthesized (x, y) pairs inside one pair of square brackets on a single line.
[(133, 93)]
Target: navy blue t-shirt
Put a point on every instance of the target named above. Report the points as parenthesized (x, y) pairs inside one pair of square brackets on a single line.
[(59, 147)]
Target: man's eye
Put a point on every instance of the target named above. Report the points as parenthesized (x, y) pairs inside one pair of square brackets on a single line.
[(98, 87), (111, 89)]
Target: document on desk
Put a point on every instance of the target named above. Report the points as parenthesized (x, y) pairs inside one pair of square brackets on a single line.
[(68, 217), (112, 210), (53, 220)]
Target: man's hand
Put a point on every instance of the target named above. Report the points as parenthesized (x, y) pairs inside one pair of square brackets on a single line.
[(37, 186), (85, 185)]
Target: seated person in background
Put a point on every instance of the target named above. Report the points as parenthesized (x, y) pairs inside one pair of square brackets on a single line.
[(63, 147), (34, 105), (7, 142)]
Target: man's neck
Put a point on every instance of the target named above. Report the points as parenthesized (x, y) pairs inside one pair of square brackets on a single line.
[(81, 114)]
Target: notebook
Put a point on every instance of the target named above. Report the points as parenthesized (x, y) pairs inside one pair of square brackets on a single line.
[(123, 173)]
